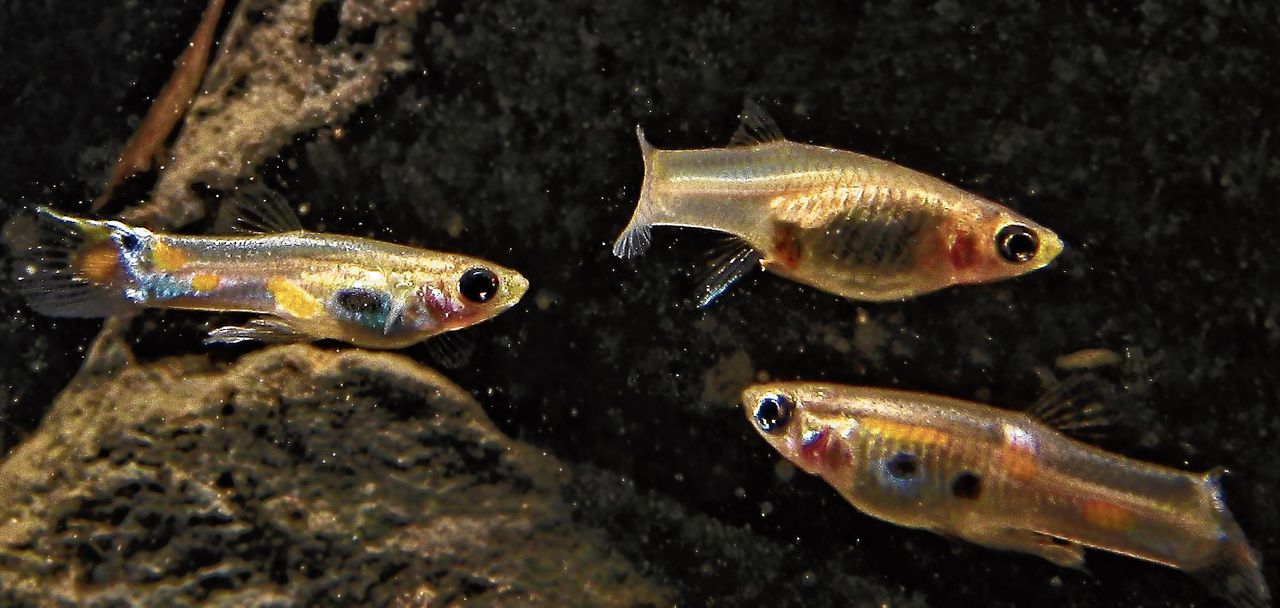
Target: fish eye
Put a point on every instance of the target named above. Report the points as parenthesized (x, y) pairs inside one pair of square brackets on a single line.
[(772, 412), (1017, 244), (478, 285)]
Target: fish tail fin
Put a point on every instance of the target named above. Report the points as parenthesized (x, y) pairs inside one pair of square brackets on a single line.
[(1235, 573), (70, 267), (634, 239)]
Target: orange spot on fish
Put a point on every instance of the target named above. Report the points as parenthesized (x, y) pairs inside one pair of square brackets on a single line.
[(99, 263), (168, 258), (293, 299), (963, 253), (1019, 459), (205, 282), (786, 245), (1106, 514), (906, 433)]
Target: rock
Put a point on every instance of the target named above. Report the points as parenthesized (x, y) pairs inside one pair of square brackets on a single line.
[(282, 68), (296, 476)]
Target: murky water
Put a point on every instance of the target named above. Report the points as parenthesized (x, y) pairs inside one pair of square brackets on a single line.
[(1144, 136)]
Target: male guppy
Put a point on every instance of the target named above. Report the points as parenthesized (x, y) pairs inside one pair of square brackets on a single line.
[(849, 224), (1006, 479), (306, 285)]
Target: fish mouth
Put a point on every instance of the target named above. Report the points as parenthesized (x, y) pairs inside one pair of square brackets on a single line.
[(1050, 248), (517, 285)]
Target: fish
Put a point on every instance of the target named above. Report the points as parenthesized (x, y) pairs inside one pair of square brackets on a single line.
[(845, 223), (1005, 479), (303, 286)]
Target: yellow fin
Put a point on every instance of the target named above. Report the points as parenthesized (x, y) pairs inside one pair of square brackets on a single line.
[(293, 299)]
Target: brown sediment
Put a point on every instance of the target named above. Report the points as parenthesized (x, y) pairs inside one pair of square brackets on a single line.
[(169, 106)]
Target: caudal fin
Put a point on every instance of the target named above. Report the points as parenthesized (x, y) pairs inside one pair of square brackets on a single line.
[(1236, 572), (68, 267), (634, 239)]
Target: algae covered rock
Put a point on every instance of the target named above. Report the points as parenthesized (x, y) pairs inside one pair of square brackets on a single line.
[(297, 476)]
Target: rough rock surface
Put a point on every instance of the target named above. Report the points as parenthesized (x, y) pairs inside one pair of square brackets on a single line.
[(298, 476)]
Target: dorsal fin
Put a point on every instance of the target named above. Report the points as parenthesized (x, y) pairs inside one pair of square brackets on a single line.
[(256, 209), (1075, 406), (756, 128)]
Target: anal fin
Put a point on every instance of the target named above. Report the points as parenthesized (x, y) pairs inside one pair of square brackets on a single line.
[(735, 262), (1059, 551), (261, 329)]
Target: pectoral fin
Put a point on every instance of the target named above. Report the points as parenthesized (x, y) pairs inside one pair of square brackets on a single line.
[(450, 350), (261, 329)]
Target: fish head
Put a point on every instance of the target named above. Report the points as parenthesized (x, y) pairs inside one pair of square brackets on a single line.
[(462, 292), (803, 424), (997, 243)]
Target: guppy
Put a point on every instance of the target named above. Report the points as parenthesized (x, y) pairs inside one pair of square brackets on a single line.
[(306, 285), (849, 224), (1006, 479)]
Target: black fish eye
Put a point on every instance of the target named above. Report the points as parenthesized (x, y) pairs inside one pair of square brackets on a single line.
[(478, 285), (772, 412), (1017, 244)]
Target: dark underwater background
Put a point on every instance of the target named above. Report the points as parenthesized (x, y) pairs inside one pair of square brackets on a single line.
[(1144, 133)]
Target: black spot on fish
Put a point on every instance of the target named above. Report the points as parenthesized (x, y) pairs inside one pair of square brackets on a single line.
[(903, 465), (879, 236), (130, 242), (368, 307), (966, 485)]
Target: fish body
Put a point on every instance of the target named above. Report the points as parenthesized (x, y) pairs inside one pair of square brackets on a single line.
[(1005, 480), (306, 285), (846, 223)]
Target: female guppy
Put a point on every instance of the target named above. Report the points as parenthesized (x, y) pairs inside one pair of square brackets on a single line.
[(307, 285), (849, 224), (1005, 479)]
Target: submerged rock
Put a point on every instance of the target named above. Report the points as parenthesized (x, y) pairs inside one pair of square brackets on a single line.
[(297, 476), (282, 68)]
